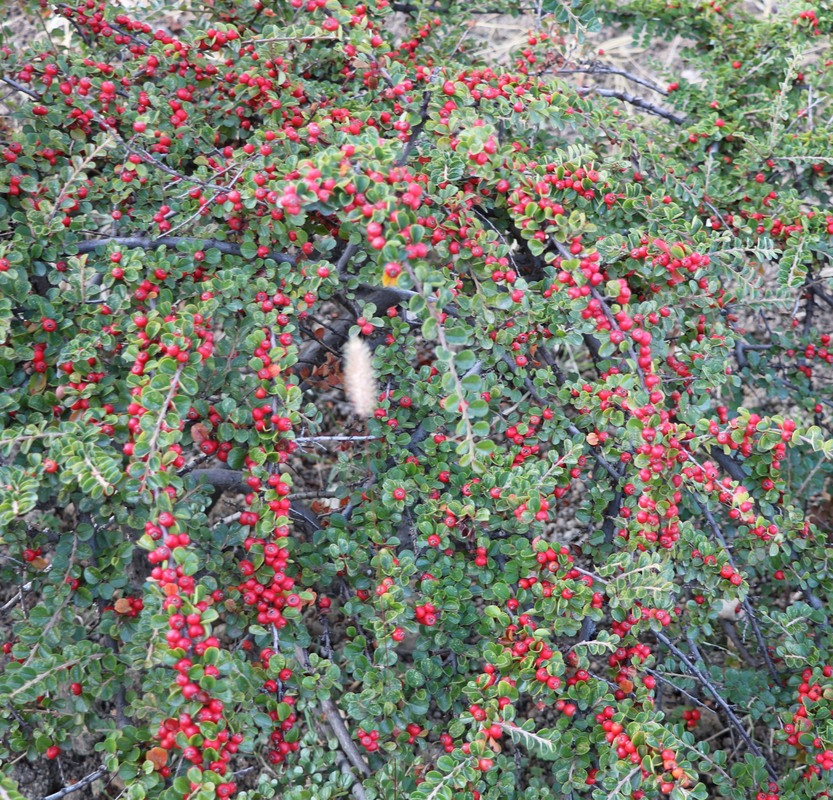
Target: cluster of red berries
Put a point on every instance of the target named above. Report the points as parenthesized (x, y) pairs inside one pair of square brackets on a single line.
[(269, 599), (566, 592), (220, 749), (820, 352), (727, 572), (638, 653), (672, 774), (280, 748), (413, 730), (481, 557), (772, 793), (691, 716), (82, 389), (39, 355), (808, 19), (188, 636), (814, 687), (426, 614), (129, 607), (621, 628), (740, 507), (746, 445), (30, 554), (616, 736), (369, 739)]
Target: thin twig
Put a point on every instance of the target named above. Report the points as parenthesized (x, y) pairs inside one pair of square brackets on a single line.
[(336, 723), (632, 99), (19, 87), (598, 68), (416, 130), (697, 673), (662, 676), (344, 766), (626, 780), (735, 470), (78, 785), (732, 634), (747, 606), (347, 744), (148, 158)]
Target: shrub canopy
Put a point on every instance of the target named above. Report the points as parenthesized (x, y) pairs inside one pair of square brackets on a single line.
[(574, 544)]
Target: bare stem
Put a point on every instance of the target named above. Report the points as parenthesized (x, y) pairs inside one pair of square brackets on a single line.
[(78, 785), (19, 87), (336, 723), (747, 606), (598, 68), (638, 102), (697, 673)]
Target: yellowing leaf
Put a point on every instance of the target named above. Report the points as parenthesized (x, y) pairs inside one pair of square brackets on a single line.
[(158, 756), (122, 606)]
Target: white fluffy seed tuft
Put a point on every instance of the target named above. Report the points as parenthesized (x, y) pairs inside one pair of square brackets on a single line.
[(729, 609), (359, 378)]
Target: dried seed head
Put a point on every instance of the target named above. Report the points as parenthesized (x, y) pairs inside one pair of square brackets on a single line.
[(359, 378), (729, 609)]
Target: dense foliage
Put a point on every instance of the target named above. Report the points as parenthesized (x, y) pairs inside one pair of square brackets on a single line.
[(577, 548)]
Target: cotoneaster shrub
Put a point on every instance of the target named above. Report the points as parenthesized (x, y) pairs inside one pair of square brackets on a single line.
[(586, 304)]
